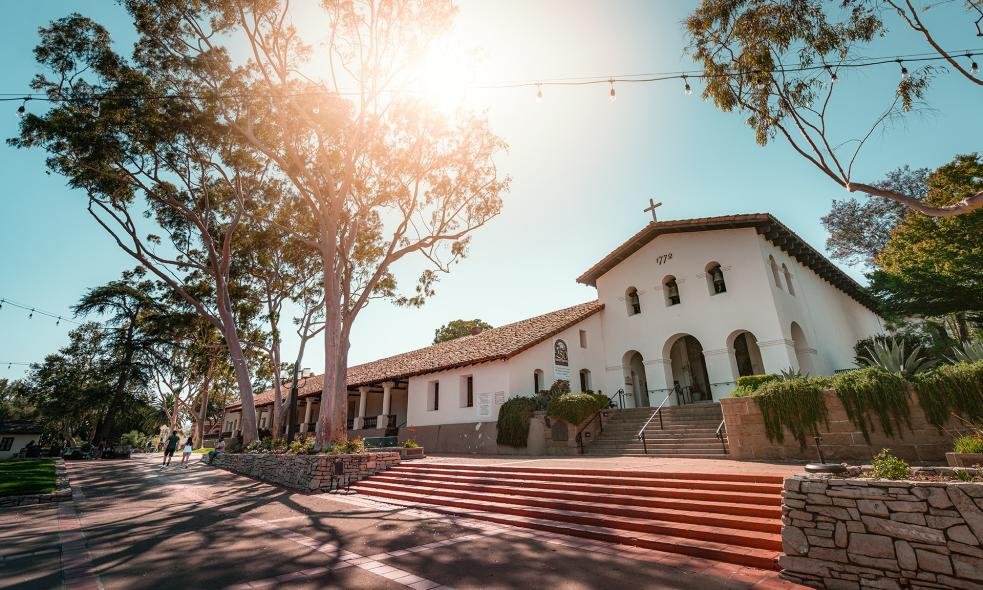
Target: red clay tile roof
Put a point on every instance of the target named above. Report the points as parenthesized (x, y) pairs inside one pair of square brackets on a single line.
[(765, 224), (491, 345)]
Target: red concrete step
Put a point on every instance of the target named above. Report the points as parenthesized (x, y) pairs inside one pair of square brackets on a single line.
[(755, 500), (612, 478), (660, 475), (605, 529), (586, 504), (720, 504)]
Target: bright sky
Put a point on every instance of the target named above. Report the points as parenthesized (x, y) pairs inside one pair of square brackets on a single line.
[(583, 168)]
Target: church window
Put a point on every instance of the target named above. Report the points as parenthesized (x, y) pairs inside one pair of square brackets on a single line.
[(774, 272), (583, 339), (537, 380), (715, 279), (433, 396), (671, 289), (788, 280), (585, 380), (632, 301)]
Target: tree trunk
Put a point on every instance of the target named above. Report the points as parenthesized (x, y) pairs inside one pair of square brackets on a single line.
[(277, 428), (962, 329), (176, 411), (328, 428), (238, 358), (199, 432)]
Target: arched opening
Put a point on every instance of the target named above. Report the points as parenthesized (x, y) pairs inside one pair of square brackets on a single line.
[(788, 280), (803, 354), (537, 381), (636, 384), (747, 355), (774, 271), (715, 279), (585, 380), (632, 302), (689, 370), (671, 290)]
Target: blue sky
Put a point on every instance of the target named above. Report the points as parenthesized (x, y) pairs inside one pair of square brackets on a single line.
[(582, 167)]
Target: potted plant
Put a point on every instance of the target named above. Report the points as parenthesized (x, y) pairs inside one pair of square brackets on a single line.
[(411, 450), (968, 451)]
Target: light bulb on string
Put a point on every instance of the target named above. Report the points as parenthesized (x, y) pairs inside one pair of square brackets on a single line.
[(973, 67), (686, 87), (612, 95), (832, 75), (904, 70), (31, 315), (22, 109), (539, 92), (58, 323)]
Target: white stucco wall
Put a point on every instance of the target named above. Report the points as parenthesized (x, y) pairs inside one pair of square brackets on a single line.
[(489, 378), (20, 441), (540, 356)]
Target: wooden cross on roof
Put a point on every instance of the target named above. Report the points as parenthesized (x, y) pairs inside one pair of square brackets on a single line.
[(651, 207)]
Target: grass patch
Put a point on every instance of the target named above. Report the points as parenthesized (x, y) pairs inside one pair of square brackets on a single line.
[(203, 450), (19, 478)]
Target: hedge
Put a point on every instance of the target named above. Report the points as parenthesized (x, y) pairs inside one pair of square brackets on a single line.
[(513, 421), (576, 407)]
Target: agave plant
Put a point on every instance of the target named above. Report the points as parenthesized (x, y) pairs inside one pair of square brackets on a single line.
[(970, 352), (891, 356), (790, 373)]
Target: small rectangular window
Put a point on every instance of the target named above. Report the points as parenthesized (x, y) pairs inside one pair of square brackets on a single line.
[(583, 339), (6, 442), (536, 385), (468, 387), (434, 396)]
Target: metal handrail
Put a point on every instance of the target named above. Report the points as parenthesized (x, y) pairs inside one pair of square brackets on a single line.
[(658, 412), (579, 436), (720, 435)]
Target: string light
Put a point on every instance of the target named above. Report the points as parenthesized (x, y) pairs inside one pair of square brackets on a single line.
[(904, 70), (832, 75), (612, 95), (32, 309), (22, 109), (686, 87), (974, 67), (539, 93)]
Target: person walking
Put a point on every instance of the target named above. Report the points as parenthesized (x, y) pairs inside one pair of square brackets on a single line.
[(186, 457), (170, 448)]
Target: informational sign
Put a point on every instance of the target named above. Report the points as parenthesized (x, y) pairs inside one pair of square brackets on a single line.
[(561, 361), (484, 404)]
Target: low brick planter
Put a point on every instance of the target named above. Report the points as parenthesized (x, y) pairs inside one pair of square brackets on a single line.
[(62, 493), (308, 473), (964, 459), (853, 533)]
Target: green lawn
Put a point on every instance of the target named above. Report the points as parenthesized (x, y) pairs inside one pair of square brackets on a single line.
[(203, 450), (27, 477)]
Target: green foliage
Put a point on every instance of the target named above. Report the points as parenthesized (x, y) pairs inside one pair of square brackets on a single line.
[(355, 445), (27, 477), (576, 407), (951, 388), (458, 328), (887, 466), (135, 439), (513, 421), (748, 384), (874, 390), (410, 444), (967, 352), (795, 404), (910, 340), (560, 386), (303, 447), (893, 356), (970, 443)]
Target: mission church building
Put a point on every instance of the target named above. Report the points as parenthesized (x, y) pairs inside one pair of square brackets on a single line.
[(684, 308)]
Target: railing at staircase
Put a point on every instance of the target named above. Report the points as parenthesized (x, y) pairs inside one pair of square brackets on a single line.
[(620, 394), (722, 435), (658, 412)]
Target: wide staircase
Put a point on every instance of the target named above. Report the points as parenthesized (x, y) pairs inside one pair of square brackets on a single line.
[(732, 518), (683, 431)]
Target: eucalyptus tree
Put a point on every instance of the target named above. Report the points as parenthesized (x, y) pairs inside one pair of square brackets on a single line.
[(381, 174), (162, 175), (777, 62)]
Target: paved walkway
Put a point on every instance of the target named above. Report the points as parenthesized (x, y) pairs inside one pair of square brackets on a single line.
[(131, 526)]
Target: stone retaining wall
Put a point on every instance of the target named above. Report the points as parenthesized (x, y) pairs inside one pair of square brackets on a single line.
[(858, 533), (842, 441), (62, 492), (307, 473)]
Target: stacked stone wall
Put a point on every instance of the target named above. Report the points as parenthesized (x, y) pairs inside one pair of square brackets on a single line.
[(856, 533), (842, 440), (308, 472)]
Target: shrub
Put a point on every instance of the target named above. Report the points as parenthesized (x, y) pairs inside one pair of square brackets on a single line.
[(513, 421), (887, 466), (748, 384), (795, 404), (951, 388), (895, 356), (873, 389), (355, 445), (134, 439), (576, 407), (967, 352), (910, 341), (302, 447), (410, 444), (971, 443)]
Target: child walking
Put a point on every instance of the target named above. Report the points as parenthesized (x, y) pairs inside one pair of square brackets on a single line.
[(186, 457)]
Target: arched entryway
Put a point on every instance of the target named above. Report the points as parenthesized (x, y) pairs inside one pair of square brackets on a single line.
[(802, 351), (689, 370), (746, 354), (636, 384)]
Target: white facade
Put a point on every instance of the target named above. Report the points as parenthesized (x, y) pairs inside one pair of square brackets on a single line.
[(12, 443), (495, 382)]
